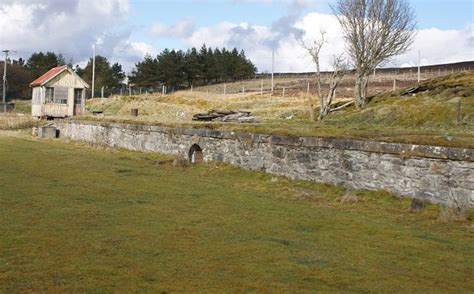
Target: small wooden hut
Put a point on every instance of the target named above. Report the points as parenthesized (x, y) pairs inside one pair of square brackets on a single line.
[(60, 92)]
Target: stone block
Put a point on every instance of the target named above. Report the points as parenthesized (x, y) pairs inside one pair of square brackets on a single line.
[(48, 132)]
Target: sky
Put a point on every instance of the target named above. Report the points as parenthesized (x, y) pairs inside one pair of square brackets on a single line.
[(125, 31)]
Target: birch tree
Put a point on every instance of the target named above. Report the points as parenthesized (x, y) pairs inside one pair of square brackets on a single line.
[(314, 49), (374, 31), (339, 71)]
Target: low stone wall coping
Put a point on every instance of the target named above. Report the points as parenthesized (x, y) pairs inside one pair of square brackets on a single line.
[(401, 149)]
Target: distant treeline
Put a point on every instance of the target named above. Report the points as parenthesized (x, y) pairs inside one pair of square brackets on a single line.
[(193, 67), (21, 72), (175, 69)]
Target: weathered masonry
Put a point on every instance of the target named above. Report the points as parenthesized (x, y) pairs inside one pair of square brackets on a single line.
[(416, 171)]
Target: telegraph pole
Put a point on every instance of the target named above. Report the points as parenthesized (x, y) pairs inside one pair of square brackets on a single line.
[(4, 92), (93, 70)]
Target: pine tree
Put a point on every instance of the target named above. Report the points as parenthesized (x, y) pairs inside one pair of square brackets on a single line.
[(146, 73), (40, 63), (192, 67), (18, 79), (107, 76), (178, 69), (203, 60)]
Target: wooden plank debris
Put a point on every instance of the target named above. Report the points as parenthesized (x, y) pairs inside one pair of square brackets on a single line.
[(226, 116)]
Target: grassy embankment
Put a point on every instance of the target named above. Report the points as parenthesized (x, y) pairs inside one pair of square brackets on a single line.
[(78, 219), (427, 117)]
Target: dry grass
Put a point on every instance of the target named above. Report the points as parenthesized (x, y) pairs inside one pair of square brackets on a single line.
[(349, 198), (455, 214), (181, 106), (16, 121), (381, 82), (429, 117)]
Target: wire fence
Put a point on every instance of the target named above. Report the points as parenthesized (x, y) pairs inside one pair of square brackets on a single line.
[(288, 84)]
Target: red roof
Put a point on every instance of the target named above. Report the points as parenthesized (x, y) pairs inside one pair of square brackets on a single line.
[(48, 75)]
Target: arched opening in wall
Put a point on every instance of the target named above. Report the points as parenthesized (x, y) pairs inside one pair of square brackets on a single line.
[(195, 154)]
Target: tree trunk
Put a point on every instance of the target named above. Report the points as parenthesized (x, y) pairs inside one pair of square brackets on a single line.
[(322, 107), (318, 75), (360, 91), (324, 111), (327, 105), (325, 108), (318, 82)]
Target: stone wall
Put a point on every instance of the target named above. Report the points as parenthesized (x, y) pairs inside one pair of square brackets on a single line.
[(426, 172)]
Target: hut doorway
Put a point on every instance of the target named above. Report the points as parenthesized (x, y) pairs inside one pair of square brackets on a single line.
[(78, 101), (195, 154)]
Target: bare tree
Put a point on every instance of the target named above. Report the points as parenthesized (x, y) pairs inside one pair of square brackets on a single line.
[(314, 49), (374, 31), (339, 71)]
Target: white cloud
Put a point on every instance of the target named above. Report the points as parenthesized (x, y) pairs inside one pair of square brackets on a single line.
[(436, 46), (70, 28), (440, 46), (258, 41), (127, 53), (181, 29)]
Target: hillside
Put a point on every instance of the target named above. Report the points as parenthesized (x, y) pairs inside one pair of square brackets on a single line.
[(425, 116), (431, 106)]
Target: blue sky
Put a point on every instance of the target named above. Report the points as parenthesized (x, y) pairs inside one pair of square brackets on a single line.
[(441, 14), (126, 30), (203, 13)]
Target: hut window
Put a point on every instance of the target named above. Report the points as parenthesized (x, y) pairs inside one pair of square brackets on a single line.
[(56, 95), (49, 97), (60, 95)]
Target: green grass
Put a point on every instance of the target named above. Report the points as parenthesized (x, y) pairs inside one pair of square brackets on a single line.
[(429, 117), (431, 108), (23, 106), (79, 219)]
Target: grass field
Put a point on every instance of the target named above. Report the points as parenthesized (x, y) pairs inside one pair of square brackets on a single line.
[(78, 219), (426, 117)]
